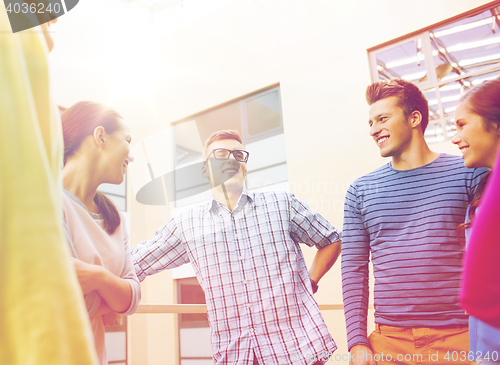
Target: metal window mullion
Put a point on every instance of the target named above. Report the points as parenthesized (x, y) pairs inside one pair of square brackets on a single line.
[(244, 120), (247, 138), (483, 71), (374, 66), (432, 77), (429, 59)]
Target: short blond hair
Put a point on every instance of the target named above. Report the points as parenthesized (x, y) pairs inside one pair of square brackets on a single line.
[(220, 135)]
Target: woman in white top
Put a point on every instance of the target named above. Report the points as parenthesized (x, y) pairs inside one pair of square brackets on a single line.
[(96, 151)]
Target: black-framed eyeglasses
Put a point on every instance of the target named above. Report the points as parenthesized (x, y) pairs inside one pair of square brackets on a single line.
[(223, 154)]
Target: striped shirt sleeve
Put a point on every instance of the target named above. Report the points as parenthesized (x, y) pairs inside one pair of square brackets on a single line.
[(355, 258)]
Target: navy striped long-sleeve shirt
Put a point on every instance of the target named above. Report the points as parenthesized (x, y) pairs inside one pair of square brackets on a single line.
[(407, 220)]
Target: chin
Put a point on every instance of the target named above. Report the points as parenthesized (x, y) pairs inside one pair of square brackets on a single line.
[(118, 181), (385, 154), (234, 183), (471, 164)]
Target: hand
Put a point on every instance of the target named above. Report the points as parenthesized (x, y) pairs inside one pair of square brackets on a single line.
[(359, 357), (88, 275), (111, 318)]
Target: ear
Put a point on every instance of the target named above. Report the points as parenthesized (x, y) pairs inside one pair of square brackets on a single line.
[(243, 168), (100, 136), (204, 170), (496, 128), (416, 119)]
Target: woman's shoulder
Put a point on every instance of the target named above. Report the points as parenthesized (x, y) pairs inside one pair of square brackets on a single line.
[(123, 226)]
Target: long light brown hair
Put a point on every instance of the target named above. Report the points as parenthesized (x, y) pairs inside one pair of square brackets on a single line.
[(79, 122), (483, 100)]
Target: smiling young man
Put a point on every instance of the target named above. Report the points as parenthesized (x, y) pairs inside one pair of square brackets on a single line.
[(244, 249), (405, 215)]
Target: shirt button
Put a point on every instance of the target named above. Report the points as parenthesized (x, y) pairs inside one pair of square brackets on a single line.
[(249, 305), (241, 258), (251, 329), (244, 281)]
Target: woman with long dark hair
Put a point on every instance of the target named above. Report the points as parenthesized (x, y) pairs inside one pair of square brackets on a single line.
[(478, 137), (96, 151)]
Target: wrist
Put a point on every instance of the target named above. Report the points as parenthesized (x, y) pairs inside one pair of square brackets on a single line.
[(314, 286), (100, 277), (360, 347)]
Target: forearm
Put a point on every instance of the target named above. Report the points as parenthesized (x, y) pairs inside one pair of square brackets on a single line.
[(355, 298), (116, 292), (102, 309), (324, 260)]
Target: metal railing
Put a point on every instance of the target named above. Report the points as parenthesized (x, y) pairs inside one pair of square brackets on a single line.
[(202, 308)]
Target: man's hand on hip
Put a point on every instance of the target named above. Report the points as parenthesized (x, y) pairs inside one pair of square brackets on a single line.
[(361, 355)]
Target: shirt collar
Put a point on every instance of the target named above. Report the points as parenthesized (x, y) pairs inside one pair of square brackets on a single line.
[(244, 198)]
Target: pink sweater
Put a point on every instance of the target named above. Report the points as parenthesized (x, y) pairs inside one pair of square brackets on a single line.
[(92, 244), (480, 294)]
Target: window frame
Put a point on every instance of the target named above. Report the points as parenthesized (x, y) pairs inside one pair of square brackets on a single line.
[(432, 83), (246, 137)]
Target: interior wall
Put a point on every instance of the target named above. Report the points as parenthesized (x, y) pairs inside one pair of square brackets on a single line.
[(315, 49)]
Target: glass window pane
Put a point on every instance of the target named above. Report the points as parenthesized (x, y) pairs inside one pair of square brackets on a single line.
[(405, 61), (191, 135), (468, 45), (189, 181), (190, 292), (433, 99), (268, 176), (114, 189), (259, 114), (464, 53), (189, 146), (195, 342), (266, 152), (116, 345), (263, 113), (442, 127)]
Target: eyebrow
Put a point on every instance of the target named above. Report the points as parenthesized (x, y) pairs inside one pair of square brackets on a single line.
[(377, 116)]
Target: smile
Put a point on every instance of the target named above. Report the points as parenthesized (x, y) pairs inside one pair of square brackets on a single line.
[(382, 140), (464, 150)]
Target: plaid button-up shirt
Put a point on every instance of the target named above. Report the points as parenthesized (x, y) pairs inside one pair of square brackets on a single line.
[(253, 273)]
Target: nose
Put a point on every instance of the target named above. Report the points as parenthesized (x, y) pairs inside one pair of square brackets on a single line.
[(130, 158), (456, 139), (374, 130), (231, 158)]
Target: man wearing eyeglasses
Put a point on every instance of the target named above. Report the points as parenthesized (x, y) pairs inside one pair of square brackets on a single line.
[(244, 248)]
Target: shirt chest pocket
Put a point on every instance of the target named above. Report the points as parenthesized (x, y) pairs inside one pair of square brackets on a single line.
[(209, 247)]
